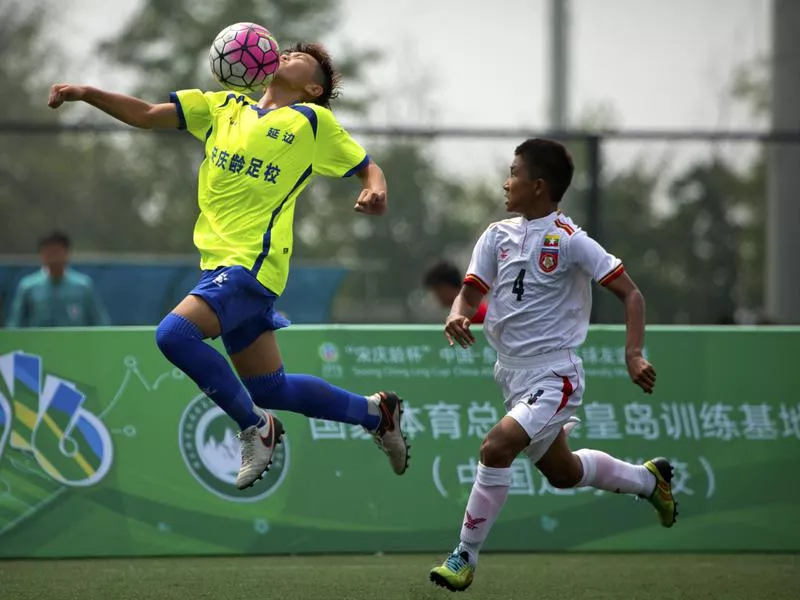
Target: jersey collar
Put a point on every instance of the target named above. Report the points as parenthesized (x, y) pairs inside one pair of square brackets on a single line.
[(541, 221)]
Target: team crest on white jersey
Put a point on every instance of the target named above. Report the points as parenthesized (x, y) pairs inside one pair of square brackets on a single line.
[(548, 260), (548, 257)]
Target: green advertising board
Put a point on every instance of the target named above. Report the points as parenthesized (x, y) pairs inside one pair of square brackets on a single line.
[(106, 450)]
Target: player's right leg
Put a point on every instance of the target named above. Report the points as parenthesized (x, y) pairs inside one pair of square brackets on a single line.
[(593, 468), (486, 499), (180, 337), (260, 366)]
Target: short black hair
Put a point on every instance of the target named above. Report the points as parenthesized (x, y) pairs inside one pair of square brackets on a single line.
[(442, 273), (54, 237), (330, 78), (548, 160)]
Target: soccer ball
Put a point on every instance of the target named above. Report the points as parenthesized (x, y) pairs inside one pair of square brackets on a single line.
[(244, 57)]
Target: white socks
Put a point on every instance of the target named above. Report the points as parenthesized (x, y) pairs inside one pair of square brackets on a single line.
[(605, 472), (486, 500), (490, 490)]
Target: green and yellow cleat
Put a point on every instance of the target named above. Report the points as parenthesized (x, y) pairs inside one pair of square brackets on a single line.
[(662, 498), (455, 573)]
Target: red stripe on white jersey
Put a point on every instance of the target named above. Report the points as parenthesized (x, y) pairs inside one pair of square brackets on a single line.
[(476, 282)]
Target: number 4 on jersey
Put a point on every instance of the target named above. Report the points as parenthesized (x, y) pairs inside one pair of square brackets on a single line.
[(519, 285)]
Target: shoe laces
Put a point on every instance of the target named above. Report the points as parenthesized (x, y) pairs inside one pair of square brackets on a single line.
[(246, 438), (455, 562)]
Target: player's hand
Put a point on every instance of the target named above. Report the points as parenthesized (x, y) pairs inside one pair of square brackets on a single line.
[(371, 202), (456, 329), (642, 373), (64, 92)]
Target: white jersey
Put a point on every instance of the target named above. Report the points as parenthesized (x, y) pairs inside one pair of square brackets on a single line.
[(539, 274)]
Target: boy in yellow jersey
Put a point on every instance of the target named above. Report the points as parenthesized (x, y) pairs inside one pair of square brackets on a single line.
[(259, 156)]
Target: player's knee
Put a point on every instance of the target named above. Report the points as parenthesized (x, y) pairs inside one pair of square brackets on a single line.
[(562, 481), (173, 332), (164, 338), (497, 452), (566, 477)]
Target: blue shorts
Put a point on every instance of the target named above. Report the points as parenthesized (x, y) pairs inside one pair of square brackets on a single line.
[(244, 307)]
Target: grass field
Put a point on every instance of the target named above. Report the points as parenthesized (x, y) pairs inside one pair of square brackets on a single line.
[(506, 577)]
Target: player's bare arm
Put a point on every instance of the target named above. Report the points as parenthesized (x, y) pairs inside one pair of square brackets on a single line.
[(373, 199), (641, 371), (456, 328), (129, 110)]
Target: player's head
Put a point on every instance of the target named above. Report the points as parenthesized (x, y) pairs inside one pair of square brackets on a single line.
[(444, 280), (54, 252), (542, 171), (308, 70)]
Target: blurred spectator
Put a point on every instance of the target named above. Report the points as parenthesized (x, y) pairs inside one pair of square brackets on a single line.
[(444, 280), (56, 296)]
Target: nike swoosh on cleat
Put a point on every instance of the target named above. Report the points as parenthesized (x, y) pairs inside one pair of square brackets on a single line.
[(268, 441), (389, 417)]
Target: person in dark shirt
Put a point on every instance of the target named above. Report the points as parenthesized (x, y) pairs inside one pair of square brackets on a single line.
[(444, 281)]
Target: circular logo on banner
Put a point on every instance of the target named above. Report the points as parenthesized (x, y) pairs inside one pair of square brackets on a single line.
[(328, 352), (211, 451)]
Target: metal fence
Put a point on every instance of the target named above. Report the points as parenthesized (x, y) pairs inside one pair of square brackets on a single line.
[(686, 211)]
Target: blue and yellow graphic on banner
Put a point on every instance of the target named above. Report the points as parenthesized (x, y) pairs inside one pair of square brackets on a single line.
[(47, 419)]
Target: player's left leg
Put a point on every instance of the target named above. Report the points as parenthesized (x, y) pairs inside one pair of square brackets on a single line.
[(260, 366), (489, 493), (593, 468), (181, 338)]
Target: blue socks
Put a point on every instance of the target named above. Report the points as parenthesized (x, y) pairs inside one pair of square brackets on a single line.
[(182, 344), (313, 397)]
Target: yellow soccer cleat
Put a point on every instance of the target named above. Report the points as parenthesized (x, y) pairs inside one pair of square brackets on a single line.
[(455, 573), (662, 498)]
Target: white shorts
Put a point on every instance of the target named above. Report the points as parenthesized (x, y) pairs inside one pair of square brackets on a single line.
[(542, 394)]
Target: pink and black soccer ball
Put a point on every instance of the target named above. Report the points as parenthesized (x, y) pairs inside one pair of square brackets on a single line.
[(244, 57)]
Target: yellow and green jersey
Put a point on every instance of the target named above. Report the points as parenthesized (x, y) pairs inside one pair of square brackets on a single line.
[(256, 164)]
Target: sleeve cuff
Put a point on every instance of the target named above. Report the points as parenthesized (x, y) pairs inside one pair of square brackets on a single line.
[(611, 275), (476, 282), (358, 167), (173, 97)]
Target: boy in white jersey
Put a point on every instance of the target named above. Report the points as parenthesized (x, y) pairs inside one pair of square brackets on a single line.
[(538, 268)]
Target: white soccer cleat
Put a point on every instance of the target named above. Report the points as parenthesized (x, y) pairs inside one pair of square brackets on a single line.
[(389, 436), (258, 445)]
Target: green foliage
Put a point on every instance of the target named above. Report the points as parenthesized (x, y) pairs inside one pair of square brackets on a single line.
[(49, 181), (701, 260), (750, 85), (693, 242)]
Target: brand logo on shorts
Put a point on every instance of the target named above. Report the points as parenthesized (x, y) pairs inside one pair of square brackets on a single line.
[(211, 451), (532, 398), (220, 279)]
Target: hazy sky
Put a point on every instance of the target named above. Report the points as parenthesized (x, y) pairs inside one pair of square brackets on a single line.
[(661, 64)]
